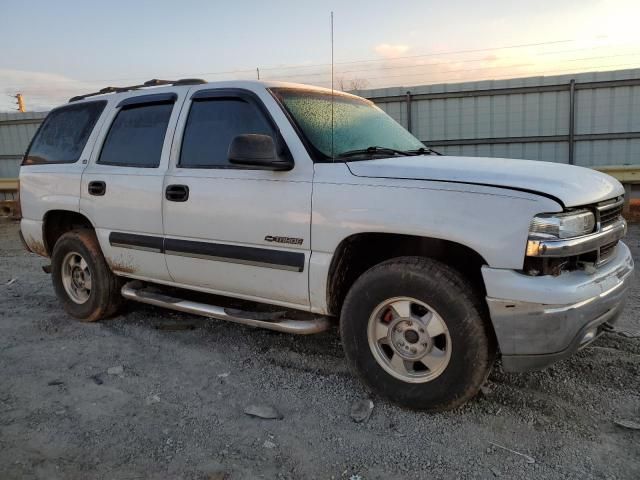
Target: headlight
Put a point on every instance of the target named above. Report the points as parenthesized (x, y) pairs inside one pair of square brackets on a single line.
[(562, 225)]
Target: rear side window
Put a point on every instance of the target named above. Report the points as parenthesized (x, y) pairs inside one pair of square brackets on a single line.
[(64, 133), (212, 125), (136, 136)]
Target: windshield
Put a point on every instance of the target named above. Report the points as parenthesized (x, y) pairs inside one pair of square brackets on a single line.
[(358, 124)]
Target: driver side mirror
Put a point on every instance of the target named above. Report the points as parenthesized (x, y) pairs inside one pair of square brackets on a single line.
[(253, 150)]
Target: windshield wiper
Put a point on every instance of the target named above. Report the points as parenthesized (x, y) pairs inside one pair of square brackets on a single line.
[(423, 151), (372, 151)]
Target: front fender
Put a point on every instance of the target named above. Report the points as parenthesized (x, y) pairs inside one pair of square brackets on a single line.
[(491, 221)]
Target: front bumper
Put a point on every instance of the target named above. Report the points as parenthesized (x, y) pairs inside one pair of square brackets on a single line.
[(540, 320)]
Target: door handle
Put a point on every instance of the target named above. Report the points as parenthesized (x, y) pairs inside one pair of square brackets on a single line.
[(97, 188), (177, 193)]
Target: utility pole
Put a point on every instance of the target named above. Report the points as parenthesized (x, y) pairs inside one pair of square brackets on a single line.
[(20, 102)]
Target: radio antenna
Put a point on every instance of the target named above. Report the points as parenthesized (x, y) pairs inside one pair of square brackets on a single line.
[(332, 124)]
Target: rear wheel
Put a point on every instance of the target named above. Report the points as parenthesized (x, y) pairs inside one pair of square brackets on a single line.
[(412, 329), (81, 277)]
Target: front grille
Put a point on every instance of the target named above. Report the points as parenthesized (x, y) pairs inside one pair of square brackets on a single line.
[(607, 251), (610, 212)]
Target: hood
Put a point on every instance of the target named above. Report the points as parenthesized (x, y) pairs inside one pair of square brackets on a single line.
[(571, 185)]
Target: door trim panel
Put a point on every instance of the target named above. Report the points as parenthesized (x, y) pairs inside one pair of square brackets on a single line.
[(148, 243), (219, 252)]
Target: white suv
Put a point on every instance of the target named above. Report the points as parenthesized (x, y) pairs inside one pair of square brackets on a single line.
[(311, 204)]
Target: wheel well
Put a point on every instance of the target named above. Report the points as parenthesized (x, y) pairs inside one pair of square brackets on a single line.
[(58, 222), (358, 253)]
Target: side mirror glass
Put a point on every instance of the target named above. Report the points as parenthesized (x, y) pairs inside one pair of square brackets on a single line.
[(253, 150)]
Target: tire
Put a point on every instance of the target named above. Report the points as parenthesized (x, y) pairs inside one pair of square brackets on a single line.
[(77, 258), (438, 350)]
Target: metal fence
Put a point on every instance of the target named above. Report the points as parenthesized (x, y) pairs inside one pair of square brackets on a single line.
[(588, 119), (16, 130)]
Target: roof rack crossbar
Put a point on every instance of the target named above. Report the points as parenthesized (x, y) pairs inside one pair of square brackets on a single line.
[(154, 82)]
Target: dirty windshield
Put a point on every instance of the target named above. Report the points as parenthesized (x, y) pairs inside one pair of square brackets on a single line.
[(361, 129)]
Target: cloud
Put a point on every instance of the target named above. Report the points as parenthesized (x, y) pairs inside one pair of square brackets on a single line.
[(41, 90), (391, 51)]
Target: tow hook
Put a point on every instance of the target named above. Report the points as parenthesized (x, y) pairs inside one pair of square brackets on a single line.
[(46, 268)]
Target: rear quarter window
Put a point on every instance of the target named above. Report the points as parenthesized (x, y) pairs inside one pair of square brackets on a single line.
[(64, 134)]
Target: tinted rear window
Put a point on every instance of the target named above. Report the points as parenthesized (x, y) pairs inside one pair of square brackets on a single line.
[(136, 136), (64, 133)]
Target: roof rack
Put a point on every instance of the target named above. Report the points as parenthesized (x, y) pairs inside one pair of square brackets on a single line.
[(149, 83)]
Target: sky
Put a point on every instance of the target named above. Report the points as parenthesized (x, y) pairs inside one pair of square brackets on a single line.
[(52, 50)]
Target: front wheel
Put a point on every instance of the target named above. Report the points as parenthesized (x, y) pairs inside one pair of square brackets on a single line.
[(412, 329)]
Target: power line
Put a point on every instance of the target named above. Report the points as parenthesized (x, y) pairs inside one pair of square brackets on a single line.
[(251, 73), (512, 76), (474, 60), (452, 52), (286, 67), (427, 79), (403, 75)]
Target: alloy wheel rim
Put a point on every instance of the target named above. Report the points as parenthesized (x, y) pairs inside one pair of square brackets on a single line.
[(76, 277), (409, 340)]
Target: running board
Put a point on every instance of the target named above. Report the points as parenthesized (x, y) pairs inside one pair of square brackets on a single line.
[(138, 292)]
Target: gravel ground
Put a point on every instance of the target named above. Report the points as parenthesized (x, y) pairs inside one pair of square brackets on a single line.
[(175, 410)]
